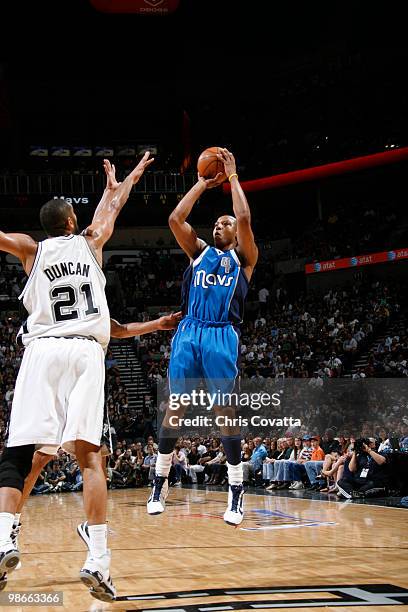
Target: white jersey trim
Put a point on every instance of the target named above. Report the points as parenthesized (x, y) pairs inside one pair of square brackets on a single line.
[(33, 269), (199, 258), (235, 257)]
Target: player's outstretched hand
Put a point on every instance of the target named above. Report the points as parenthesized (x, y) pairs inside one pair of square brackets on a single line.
[(141, 167), (212, 182), (110, 171), (170, 321), (227, 158)]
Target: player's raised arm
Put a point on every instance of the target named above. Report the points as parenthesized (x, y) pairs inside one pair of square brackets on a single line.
[(110, 188), (20, 245), (183, 232), (247, 248), (129, 330), (113, 199)]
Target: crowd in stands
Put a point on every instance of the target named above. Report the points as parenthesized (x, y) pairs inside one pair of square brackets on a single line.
[(350, 226), (309, 335), (11, 355), (154, 278), (330, 465), (347, 467), (311, 338), (356, 229), (12, 280)]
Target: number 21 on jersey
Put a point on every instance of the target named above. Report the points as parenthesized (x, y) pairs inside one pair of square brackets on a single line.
[(65, 302)]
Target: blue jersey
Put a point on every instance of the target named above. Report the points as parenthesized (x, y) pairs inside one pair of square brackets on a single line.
[(215, 287), (206, 343)]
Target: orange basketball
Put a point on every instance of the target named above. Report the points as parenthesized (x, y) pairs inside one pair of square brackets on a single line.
[(208, 164)]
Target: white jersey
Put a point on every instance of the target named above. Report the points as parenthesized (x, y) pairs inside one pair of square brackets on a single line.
[(65, 293)]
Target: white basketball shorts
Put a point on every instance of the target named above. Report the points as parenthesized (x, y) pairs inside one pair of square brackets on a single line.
[(59, 395)]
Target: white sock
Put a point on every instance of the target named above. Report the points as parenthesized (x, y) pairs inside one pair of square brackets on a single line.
[(163, 464), (6, 525), (98, 536), (235, 474), (17, 518)]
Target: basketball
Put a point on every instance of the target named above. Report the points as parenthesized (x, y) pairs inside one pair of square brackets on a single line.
[(208, 164)]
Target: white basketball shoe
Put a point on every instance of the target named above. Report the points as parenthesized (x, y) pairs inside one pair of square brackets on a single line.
[(157, 499), (234, 513)]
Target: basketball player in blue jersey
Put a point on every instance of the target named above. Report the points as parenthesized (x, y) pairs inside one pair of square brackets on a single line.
[(206, 344)]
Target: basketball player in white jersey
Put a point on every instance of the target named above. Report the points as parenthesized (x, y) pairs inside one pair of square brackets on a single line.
[(59, 394), (40, 459)]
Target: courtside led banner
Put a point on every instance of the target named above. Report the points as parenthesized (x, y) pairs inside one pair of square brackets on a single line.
[(356, 261)]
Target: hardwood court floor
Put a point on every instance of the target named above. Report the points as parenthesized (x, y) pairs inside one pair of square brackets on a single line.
[(288, 550)]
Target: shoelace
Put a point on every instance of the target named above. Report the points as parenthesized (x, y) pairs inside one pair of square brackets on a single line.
[(236, 495), (158, 485)]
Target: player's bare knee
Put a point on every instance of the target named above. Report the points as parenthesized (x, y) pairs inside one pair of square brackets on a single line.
[(40, 460), (88, 455)]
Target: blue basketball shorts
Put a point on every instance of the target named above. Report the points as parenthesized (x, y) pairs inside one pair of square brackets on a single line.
[(205, 351)]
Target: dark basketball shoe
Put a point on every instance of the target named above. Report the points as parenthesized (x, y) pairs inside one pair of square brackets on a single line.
[(157, 499)]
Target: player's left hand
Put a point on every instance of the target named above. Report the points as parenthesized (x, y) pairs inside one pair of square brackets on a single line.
[(110, 171), (212, 182), (227, 158), (170, 321)]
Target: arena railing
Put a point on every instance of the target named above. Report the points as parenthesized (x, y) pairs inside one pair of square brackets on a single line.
[(60, 184)]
